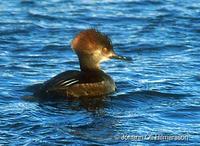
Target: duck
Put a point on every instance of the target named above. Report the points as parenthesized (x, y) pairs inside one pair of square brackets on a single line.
[(92, 48)]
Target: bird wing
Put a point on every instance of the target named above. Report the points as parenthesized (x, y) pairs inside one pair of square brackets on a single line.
[(62, 80)]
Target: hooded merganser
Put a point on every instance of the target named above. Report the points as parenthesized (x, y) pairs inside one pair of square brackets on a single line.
[(92, 47)]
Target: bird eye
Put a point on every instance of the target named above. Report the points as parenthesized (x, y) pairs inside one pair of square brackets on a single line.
[(105, 49)]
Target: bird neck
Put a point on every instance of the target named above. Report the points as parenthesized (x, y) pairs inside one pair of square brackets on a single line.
[(88, 63)]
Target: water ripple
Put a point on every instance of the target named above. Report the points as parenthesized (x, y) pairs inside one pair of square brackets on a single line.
[(157, 92)]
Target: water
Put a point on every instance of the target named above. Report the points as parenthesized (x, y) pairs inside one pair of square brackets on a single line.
[(158, 92)]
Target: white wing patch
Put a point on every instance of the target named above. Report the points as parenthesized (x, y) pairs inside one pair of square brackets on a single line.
[(65, 83)]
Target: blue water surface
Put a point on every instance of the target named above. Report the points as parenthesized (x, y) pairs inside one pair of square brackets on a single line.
[(158, 92)]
